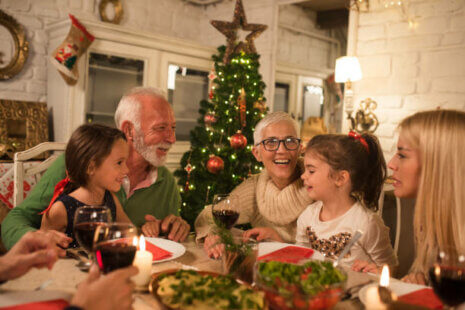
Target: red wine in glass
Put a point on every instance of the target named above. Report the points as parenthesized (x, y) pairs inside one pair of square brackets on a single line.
[(112, 255), (85, 233), (115, 247), (224, 210), (448, 283), (226, 218)]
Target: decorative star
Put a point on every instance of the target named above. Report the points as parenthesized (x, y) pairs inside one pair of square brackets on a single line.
[(229, 29)]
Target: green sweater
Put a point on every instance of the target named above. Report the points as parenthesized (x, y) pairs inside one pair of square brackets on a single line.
[(159, 199)]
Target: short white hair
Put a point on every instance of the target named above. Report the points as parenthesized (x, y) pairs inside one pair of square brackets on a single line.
[(129, 106), (273, 118)]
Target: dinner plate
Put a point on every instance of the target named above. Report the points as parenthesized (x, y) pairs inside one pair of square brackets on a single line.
[(268, 247), (398, 287), (176, 249)]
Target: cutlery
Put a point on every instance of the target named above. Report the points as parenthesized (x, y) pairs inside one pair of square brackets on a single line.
[(347, 248)]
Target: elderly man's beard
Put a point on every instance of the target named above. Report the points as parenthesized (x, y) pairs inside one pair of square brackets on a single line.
[(149, 153)]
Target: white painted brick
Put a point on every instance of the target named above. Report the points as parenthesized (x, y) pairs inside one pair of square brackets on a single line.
[(423, 84), (41, 36), (457, 22), (19, 95), (375, 66), (386, 130), (413, 43), (29, 21), (37, 59), (435, 8), (75, 4), (367, 33), (386, 86), (395, 116), (388, 102), (380, 17), (40, 73), (444, 63), (432, 25), (51, 13), (371, 47), (453, 38), (430, 101), (39, 49), (387, 145), (38, 87), (449, 84), (401, 29), (17, 5), (13, 85)]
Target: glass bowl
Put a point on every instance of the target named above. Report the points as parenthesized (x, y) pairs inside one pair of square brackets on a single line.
[(311, 285)]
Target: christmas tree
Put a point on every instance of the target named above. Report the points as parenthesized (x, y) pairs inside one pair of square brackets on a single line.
[(221, 156)]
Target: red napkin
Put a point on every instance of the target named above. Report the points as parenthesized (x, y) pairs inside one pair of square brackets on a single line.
[(424, 297), (57, 304), (158, 253), (289, 254)]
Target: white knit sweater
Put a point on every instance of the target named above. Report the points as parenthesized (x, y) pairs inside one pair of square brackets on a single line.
[(262, 204)]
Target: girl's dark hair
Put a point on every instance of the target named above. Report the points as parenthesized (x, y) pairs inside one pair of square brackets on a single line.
[(367, 168), (88, 143)]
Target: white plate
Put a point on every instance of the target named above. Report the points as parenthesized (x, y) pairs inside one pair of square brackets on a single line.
[(268, 247), (398, 287), (175, 248)]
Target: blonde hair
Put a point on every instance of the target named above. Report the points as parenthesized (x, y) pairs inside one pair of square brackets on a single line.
[(439, 219)]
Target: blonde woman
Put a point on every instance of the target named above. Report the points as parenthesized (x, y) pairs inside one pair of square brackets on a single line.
[(430, 166)]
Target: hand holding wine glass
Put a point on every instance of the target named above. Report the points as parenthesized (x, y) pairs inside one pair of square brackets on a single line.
[(447, 277), (224, 210)]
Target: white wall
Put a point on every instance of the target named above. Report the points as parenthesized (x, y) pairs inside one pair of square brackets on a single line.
[(407, 70)]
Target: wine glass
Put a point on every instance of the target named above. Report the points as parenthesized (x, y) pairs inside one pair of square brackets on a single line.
[(115, 246), (86, 221), (447, 277), (224, 210)]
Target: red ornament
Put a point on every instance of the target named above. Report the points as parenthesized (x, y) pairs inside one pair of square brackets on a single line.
[(210, 94), (210, 119), (215, 164), (238, 141)]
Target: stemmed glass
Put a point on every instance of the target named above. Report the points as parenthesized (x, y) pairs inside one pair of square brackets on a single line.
[(115, 246), (224, 210), (447, 277), (86, 221)]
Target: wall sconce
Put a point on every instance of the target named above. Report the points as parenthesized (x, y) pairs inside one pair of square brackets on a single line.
[(348, 71)]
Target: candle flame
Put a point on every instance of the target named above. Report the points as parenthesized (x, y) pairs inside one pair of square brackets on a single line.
[(142, 243), (384, 280), (135, 241)]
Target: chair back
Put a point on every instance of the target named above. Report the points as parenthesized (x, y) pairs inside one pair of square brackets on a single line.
[(21, 173), (387, 217)]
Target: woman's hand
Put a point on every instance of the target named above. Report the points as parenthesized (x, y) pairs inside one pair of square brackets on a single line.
[(417, 278), (364, 266), (213, 247), (262, 233)]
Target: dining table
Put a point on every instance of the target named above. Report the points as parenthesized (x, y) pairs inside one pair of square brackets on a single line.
[(64, 277)]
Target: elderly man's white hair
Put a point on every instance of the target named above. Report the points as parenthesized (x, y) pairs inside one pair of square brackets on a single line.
[(273, 118), (129, 108)]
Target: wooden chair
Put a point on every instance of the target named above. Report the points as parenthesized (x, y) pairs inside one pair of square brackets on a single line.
[(386, 188), (21, 173)]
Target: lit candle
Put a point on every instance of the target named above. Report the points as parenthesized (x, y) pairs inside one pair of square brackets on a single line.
[(143, 261), (378, 297)]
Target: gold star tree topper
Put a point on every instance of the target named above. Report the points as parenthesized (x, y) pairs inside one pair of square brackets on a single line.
[(229, 29)]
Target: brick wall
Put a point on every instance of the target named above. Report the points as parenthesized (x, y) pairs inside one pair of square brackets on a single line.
[(411, 69)]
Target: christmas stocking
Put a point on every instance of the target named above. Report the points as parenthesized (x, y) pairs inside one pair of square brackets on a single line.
[(66, 55)]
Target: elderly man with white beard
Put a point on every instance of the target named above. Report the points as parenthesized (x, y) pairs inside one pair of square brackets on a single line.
[(149, 194)]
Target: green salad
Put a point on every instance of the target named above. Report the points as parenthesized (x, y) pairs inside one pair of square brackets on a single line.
[(188, 289), (292, 285)]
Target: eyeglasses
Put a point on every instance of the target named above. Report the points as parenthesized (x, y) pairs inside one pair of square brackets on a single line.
[(272, 144)]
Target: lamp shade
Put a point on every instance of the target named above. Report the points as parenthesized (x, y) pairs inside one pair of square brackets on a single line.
[(348, 69)]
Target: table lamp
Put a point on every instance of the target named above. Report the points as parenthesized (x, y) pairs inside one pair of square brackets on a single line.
[(348, 71)]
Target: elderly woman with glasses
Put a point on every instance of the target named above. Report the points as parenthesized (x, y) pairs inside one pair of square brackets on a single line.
[(272, 200)]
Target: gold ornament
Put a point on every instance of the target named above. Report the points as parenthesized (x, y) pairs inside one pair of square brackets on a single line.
[(229, 29), (117, 6), (241, 101), (21, 47), (260, 105)]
